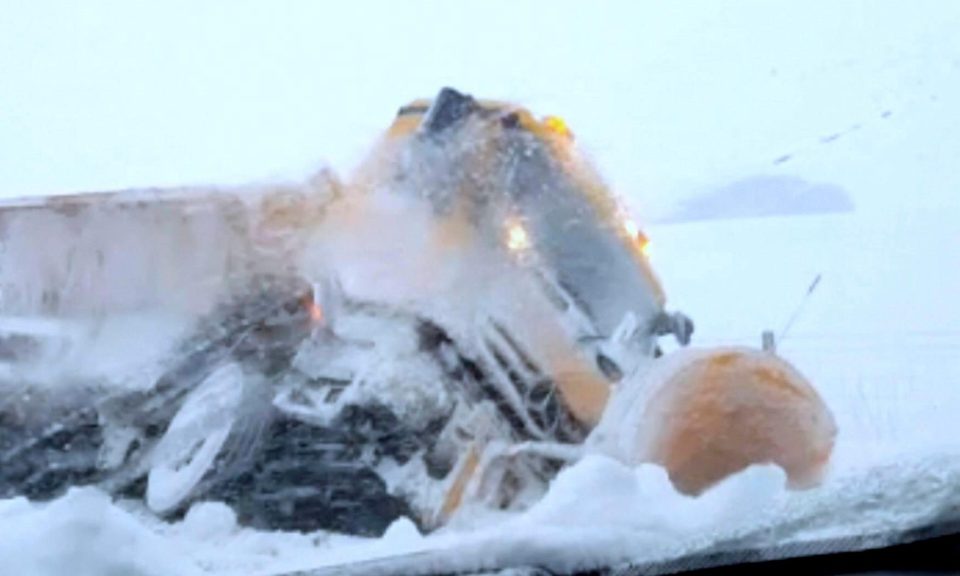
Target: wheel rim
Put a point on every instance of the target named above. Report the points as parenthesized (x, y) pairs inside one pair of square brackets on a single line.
[(194, 439)]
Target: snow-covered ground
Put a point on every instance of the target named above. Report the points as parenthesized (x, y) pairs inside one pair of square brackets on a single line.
[(631, 515), (852, 103), (877, 337)]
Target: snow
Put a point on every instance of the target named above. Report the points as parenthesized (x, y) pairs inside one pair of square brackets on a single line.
[(847, 110), (83, 533), (633, 514), (885, 368)]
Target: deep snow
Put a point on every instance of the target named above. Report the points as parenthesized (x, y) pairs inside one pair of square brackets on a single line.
[(631, 515)]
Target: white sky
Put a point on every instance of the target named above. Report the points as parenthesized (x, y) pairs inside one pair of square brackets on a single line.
[(668, 97)]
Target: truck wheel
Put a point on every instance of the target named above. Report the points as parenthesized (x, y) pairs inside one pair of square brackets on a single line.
[(189, 448)]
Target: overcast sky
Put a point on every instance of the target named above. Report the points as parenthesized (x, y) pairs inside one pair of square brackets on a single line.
[(667, 97)]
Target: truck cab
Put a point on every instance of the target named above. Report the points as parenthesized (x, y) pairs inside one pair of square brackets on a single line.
[(525, 184)]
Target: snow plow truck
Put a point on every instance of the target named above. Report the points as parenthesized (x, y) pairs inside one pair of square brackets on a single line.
[(471, 310)]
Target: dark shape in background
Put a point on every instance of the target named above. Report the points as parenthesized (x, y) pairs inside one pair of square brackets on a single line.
[(762, 196)]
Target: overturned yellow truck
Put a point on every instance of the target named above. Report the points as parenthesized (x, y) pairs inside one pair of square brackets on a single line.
[(440, 333)]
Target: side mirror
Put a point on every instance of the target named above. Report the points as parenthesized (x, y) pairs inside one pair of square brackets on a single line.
[(678, 324)]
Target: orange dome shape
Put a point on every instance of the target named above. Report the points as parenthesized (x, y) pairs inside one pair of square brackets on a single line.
[(712, 413)]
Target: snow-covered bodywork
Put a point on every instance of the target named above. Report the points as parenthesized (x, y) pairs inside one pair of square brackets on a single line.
[(333, 354), (172, 250), (436, 337)]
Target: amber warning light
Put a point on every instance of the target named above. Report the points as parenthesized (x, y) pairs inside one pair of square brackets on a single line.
[(637, 236), (314, 310), (517, 237)]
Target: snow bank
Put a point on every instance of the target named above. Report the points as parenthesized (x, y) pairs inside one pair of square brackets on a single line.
[(84, 534), (598, 512)]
